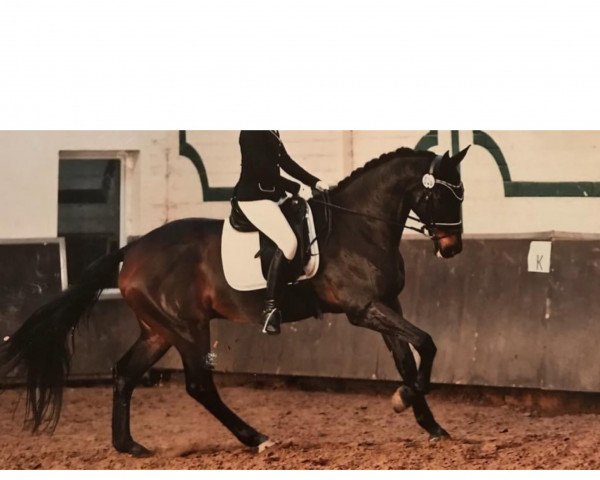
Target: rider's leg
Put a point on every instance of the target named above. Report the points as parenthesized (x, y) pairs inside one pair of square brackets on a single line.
[(276, 279), (269, 219)]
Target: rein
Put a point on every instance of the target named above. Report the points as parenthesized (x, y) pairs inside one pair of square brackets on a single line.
[(388, 221), (429, 181)]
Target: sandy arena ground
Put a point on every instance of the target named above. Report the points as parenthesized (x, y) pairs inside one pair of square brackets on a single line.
[(315, 430)]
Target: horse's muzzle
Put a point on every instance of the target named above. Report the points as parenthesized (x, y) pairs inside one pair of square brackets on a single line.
[(447, 245)]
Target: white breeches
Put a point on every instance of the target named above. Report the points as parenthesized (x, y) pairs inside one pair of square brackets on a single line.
[(269, 219)]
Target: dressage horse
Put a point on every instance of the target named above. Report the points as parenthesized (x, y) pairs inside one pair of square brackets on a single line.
[(173, 280)]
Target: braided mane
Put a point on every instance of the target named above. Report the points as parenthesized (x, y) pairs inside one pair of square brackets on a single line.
[(376, 162)]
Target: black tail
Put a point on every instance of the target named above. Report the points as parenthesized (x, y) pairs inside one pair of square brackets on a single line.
[(41, 345)]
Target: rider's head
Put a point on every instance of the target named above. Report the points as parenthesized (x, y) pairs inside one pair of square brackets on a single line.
[(437, 200)]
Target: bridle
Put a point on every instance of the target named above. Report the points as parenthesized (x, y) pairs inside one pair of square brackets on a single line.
[(429, 182), (428, 226)]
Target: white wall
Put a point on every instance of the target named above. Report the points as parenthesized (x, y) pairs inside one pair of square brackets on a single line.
[(540, 157), (29, 177), (162, 186), (537, 156)]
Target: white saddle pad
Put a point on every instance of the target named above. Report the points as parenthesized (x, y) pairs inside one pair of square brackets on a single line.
[(243, 271)]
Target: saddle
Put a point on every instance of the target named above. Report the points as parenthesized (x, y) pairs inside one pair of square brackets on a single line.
[(296, 211)]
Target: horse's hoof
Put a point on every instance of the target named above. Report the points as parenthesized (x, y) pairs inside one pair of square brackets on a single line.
[(132, 448), (265, 445), (139, 451), (401, 399), (439, 436)]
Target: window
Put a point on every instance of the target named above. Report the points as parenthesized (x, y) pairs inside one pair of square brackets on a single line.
[(89, 211)]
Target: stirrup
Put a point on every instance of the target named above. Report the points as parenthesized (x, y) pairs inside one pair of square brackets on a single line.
[(272, 325)]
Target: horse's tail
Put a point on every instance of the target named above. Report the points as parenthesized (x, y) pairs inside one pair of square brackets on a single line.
[(41, 345)]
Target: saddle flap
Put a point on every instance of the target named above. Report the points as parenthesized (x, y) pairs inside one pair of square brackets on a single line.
[(244, 271)]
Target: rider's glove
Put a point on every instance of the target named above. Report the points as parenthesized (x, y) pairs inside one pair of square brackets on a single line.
[(321, 186)]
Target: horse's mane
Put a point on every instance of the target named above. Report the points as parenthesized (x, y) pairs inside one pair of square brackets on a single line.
[(376, 162)]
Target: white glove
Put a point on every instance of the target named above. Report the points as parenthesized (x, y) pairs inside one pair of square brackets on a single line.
[(321, 186)]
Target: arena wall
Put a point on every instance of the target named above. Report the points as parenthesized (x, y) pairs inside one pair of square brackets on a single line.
[(496, 324)]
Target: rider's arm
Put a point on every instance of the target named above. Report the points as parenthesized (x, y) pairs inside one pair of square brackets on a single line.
[(295, 170)]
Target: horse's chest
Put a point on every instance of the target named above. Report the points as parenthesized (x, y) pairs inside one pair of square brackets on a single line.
[(379, 276)]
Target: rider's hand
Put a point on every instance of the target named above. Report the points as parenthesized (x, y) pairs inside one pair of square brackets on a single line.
[(321, 186)]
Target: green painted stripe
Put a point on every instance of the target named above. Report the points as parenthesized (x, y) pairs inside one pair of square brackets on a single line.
[(455, 146), (429, 140), (484, 140), (209, 194), (552, 189)]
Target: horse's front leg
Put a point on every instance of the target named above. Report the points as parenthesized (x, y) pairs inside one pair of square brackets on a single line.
[(383, 319), (407, 395)]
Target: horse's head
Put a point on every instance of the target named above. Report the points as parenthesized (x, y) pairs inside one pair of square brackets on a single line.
[(437, 200)]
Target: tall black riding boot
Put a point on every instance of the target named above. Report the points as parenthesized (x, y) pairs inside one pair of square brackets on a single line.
[(275, 281)]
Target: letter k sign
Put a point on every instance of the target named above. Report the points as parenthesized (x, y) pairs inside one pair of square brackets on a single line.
[(538, 259)]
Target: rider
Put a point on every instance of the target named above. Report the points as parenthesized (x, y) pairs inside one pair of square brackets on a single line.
[(259, 192)]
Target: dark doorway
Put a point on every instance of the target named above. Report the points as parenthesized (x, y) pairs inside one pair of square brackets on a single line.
[(89, 217)]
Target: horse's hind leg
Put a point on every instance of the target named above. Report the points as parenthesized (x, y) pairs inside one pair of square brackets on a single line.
[(200, 386), (408, 394), (144, 353)]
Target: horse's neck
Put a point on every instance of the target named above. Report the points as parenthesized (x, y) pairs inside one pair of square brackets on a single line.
[(380, 193)]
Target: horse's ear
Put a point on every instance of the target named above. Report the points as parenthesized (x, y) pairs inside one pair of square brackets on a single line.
[(456, 159), (445, 161)]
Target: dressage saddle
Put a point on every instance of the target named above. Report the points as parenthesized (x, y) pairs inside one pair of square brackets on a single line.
[(295, 210)]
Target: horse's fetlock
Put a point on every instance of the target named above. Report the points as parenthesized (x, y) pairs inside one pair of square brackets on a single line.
[(197, 391), (191, 389), (426, 346), (121, 384)]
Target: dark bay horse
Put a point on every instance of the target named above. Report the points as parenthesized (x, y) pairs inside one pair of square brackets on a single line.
[(173, 280)]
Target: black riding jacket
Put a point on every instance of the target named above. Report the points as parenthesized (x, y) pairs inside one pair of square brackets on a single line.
[(262, 155)]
